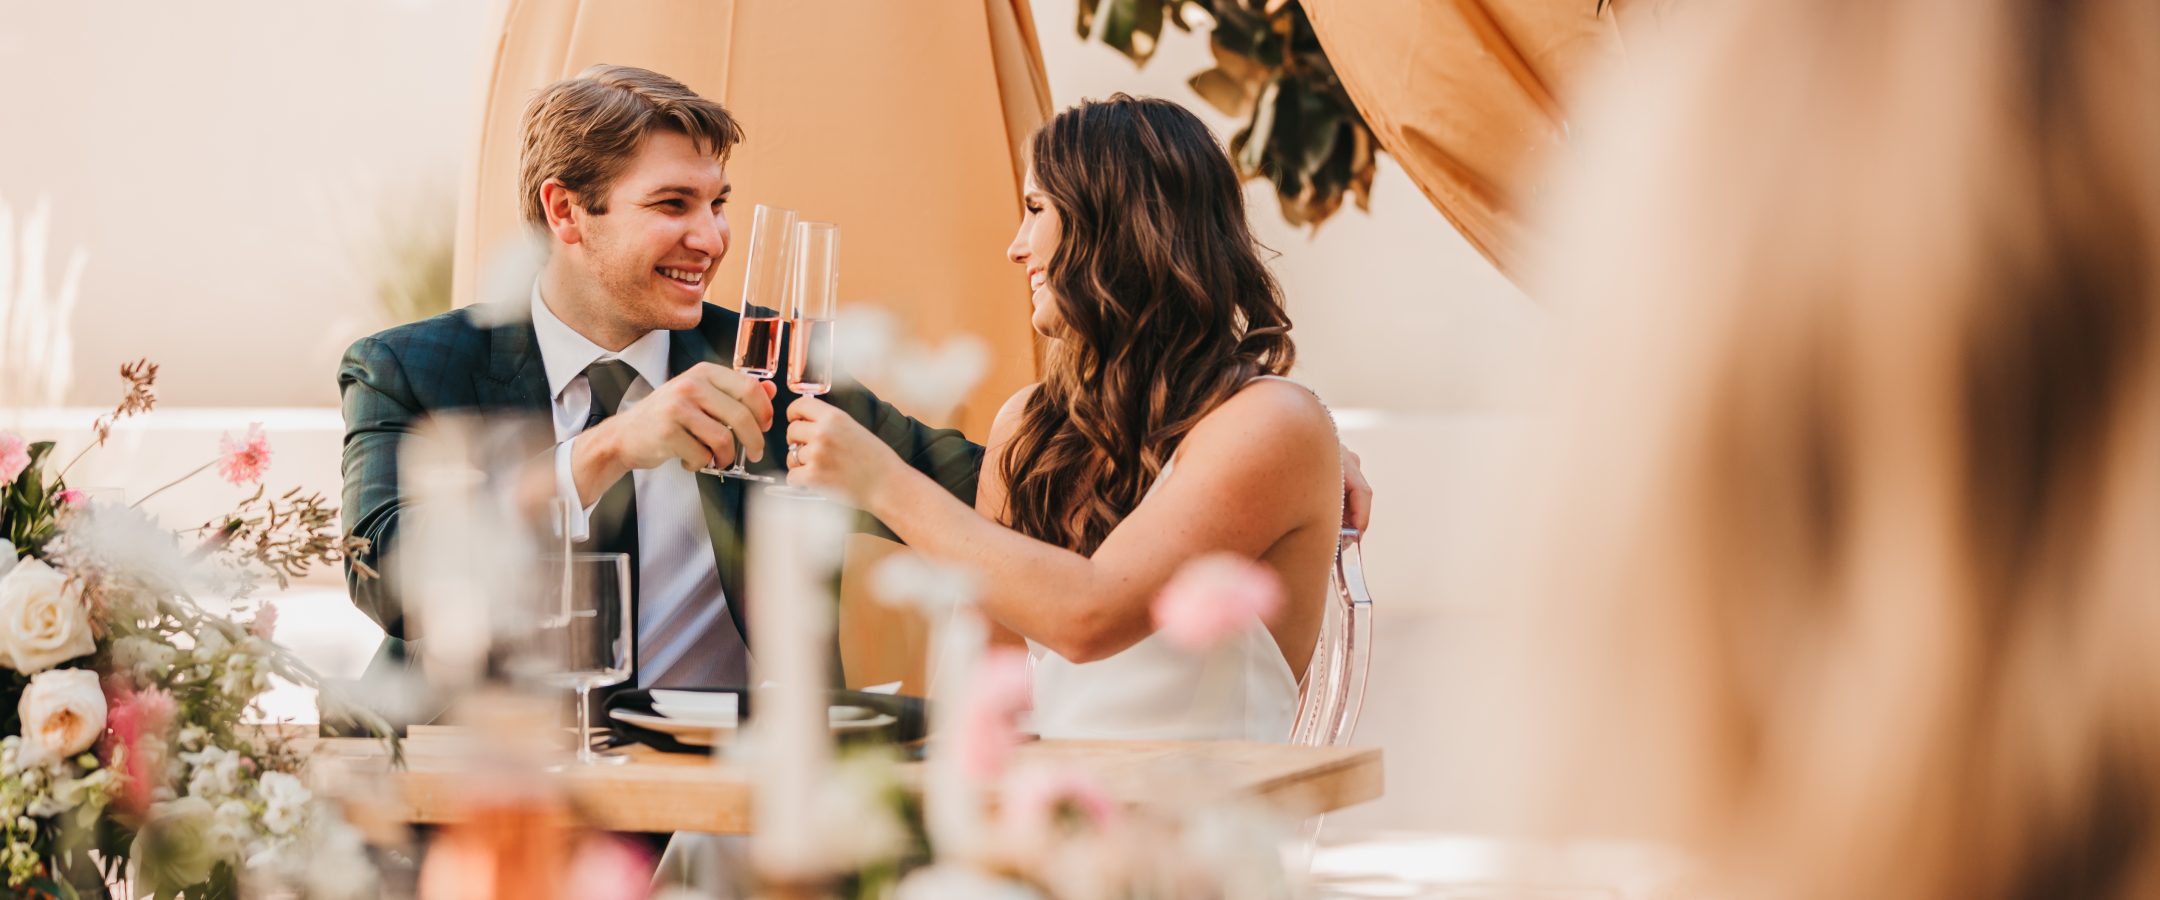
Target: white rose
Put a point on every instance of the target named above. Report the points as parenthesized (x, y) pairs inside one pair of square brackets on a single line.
[(42, 623), (63, 711)]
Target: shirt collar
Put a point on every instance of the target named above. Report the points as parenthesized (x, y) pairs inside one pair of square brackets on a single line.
[(565, 354)]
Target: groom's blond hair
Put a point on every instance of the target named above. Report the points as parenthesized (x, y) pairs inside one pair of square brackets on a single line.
[(582, 131)]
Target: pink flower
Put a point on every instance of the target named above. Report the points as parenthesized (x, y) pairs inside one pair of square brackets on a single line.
[(1046, 803), (130, 717), (244, 460), (608, 867), (1212, 597), (71, 498), (265, 622), (14, 456), (989, 727)]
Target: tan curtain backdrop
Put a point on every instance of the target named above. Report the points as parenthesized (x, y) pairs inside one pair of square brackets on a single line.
[(1467, 95), (902, 122)]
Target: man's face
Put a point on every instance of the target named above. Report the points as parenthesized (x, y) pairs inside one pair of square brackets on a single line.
[(663, 233)]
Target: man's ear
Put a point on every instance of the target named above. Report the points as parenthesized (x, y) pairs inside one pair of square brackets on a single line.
[(565, 214)]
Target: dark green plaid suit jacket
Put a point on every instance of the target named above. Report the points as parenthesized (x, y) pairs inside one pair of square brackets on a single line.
[(393, 380)]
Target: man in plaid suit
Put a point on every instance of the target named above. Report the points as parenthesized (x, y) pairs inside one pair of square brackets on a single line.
[(623, 171)]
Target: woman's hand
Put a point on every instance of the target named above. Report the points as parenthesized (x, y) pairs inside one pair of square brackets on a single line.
[(830, 450)]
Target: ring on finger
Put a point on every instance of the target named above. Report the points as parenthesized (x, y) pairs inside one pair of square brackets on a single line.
[(794, 456)]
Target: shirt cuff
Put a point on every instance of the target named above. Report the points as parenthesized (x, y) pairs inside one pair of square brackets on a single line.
[(566, 488)]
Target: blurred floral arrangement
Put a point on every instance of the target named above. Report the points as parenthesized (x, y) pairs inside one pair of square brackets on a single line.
[(1301, 132), (1053, 832), (123, 758)]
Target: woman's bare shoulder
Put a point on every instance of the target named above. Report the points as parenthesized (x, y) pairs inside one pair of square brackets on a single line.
[(1008, 416), (1268, 416)]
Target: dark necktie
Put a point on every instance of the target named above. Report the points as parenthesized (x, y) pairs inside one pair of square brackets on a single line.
[(613, 525)]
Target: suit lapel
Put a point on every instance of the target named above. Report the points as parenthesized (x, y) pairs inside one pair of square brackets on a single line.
[(722, 498), (515, 378)]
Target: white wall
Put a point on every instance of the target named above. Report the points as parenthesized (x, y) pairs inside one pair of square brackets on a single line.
[(229, 165)]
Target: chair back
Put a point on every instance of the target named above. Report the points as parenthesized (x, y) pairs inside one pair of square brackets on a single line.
[(1333, 689)]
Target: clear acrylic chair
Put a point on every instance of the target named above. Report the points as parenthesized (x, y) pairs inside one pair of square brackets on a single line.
[(1334, 683)]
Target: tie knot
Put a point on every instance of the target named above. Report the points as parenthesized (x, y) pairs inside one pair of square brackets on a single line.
[(609, 378)]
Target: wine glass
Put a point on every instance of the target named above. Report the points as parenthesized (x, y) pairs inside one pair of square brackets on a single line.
[(757, 334), (813, 295), (580, 637)]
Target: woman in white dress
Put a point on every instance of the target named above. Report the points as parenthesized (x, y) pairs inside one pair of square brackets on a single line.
[(1167, 340)]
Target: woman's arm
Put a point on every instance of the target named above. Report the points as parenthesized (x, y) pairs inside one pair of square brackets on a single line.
[(990, 491), (1245, 480)]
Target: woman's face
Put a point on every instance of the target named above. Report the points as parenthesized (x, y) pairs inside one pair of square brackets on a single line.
[(1032, 248)]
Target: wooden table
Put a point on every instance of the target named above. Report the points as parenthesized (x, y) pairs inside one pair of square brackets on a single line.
[(672, 792)]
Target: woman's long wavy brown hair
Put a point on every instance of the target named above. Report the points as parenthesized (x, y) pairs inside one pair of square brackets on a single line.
[(1167, 307)]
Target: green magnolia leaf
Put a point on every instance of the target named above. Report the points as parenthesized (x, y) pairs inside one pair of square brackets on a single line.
[(1257, 134), (1228, 95), (1147, 29), (1317, 121), (1302, 132), (1134, 27)]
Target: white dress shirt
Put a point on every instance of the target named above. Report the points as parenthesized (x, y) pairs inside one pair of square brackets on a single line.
[(685, 636)]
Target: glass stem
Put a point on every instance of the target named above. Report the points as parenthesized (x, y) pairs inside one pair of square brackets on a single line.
[(584, 718)]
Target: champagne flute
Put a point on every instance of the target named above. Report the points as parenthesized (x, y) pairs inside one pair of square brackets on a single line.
[(813, 298), (757, 332)]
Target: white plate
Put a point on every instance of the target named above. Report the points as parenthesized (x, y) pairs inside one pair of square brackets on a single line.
[(683, 732), (697, 733), (694, 704)]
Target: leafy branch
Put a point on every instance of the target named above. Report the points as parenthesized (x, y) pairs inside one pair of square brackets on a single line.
[(1302, 132)]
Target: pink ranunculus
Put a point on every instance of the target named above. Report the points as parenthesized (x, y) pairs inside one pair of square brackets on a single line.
[(131, 717), (1048, 803), (71, 498), (608, 867), (244, 459), (1211, 597), (14, 456), (265, 622), (990, 725)]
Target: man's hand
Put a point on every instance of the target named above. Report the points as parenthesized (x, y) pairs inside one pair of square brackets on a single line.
[(1357, 494), (701, 417)]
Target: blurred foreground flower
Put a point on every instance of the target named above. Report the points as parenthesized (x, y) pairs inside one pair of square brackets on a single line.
[(999, 694), (1212, 597), (14, 456)]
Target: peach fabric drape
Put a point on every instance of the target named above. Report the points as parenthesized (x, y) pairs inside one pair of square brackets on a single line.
[(1467, 95), (902, 122)]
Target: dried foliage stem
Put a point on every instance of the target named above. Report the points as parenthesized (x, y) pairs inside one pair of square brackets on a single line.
[(141, 397)]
